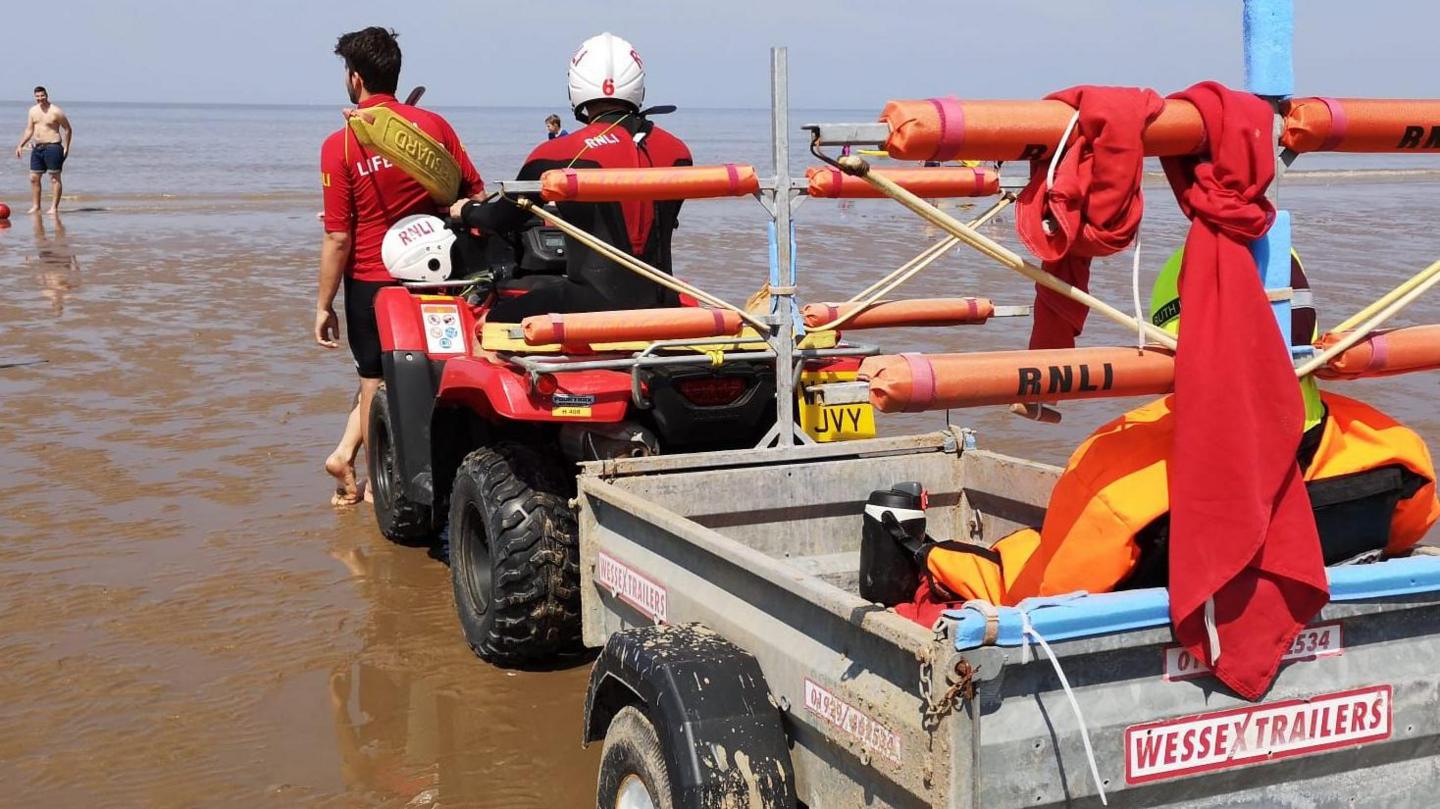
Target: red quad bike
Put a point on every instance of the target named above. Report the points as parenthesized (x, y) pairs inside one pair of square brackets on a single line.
[(479, 432)]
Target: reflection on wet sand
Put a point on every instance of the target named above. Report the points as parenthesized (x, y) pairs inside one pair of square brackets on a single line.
[(57, 267)]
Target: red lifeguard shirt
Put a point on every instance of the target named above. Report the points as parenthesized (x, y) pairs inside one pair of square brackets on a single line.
[(365, 193)]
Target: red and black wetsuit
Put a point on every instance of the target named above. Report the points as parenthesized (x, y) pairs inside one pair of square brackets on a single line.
[(592, 282)]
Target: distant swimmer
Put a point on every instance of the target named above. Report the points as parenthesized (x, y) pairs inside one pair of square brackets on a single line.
[(44, 126), (552, 127)]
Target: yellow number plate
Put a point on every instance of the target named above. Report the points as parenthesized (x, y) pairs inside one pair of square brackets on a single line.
[(570, 412), (828, 423)]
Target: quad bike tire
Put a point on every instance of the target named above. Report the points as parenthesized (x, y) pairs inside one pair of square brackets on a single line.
[(515, 557), (401, 519)]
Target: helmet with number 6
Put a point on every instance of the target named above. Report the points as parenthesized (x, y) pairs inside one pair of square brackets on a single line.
[(417, 248), (605, 67)]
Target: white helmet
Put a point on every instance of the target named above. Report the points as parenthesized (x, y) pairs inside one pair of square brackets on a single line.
[(417, 248), (606, 66)]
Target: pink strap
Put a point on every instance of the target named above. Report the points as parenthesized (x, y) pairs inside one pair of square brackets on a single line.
[(832, 313), (1379, 352), (979, 175), (837, 180), (734, 175), (1339, 123), (572, 183), (557, 322), (719, 321), (952, 128), (922, 382), (974, 307)]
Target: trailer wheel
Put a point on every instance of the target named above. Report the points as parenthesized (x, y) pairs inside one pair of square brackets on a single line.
[(632, 768), (514, 557), (400, 519)]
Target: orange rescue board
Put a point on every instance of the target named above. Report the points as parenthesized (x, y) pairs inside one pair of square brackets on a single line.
[(921, 312), (648, 184), (1398, 351), (945, 181), (915, 382), (629, 325), (950, 129), (1362, 125)]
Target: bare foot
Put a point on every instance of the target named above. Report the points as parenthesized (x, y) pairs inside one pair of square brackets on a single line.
[(52, 210), (347, 493), (367, 492), (34, 209)]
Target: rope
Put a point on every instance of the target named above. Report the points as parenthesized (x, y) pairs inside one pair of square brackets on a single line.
[(878, 290), (1027, 629), (1060, 149), (637, 266), (1135, 290), (989, 247)]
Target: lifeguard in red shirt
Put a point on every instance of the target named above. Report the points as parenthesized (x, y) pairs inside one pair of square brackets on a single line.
[(364, 195)]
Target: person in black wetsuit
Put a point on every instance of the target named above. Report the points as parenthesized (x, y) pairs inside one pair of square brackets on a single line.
[(607, 87)]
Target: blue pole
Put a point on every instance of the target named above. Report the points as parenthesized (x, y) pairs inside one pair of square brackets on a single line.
[(1270, 73)]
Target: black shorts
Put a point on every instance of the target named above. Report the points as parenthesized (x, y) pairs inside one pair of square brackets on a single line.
[(47, 157), (361, 330)]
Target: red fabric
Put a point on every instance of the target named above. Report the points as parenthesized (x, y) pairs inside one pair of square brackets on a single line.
[(1241, 526), (1095, 205), (365, 194), (926, 608)]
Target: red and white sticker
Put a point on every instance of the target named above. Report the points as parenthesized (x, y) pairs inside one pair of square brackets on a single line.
[(443, 330), (629, 586), (851, 721), (1312, 643), (1171, 748)]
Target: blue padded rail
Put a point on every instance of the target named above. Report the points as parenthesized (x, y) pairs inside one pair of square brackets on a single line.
[(1269, 34), (1080, 615)]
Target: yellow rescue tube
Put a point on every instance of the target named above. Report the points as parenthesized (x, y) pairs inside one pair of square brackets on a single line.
[(397, 139)]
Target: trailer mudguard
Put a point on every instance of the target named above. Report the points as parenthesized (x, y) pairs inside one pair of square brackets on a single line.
[(710, 706)]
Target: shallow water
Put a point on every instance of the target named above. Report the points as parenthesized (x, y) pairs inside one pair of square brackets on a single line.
[(185, 622)]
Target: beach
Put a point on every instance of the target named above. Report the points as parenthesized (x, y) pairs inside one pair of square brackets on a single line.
[(185, 620)]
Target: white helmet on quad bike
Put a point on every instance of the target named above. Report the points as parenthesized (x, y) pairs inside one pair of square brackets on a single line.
[(417, 248), (605, 67)]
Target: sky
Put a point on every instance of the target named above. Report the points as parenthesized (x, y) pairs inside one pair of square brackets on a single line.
[(699, 53)]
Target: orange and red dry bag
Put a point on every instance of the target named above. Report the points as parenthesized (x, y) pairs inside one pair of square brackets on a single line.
[(1362, 125), (914, 382), (950, 129), (647, 184), (943, 181), (921, 312), (1398, 351), (629, 324)]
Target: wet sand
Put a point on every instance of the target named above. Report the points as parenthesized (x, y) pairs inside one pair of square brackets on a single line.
[(183, 619)]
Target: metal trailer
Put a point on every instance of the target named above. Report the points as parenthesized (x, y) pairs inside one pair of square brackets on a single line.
[(723, 590)]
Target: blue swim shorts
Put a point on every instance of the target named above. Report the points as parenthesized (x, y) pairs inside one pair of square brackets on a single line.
[(47, 157)]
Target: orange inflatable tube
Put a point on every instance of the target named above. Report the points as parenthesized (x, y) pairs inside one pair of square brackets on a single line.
[(921, 312), (914, 382), (950, 129), (1386, 353), (647, 184), (620, 326), (960, 181), (1362, 125)]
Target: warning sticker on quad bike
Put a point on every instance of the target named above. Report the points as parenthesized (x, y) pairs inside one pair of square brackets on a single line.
[(442, 328), (631, 587), (1312, 643), (851, 721), (1216, 741)]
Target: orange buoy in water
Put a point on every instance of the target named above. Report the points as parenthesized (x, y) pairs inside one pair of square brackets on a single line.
[(914, 382), (646, 184), (626, 325), (885, 314), (4, 211)]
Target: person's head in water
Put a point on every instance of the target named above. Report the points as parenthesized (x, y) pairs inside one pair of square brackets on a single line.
[(42, 97), (372, 62), (605, 75), (552, 124)]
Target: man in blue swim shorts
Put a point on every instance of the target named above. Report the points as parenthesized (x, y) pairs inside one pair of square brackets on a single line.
[(45, 125)]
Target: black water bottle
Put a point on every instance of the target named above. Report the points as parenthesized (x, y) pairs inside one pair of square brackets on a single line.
[(890, 545)]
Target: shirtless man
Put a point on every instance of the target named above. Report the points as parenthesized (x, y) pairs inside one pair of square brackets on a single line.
[(44, 125)]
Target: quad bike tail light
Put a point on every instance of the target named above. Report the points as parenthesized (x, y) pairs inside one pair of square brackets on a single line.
[(711, 391)]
